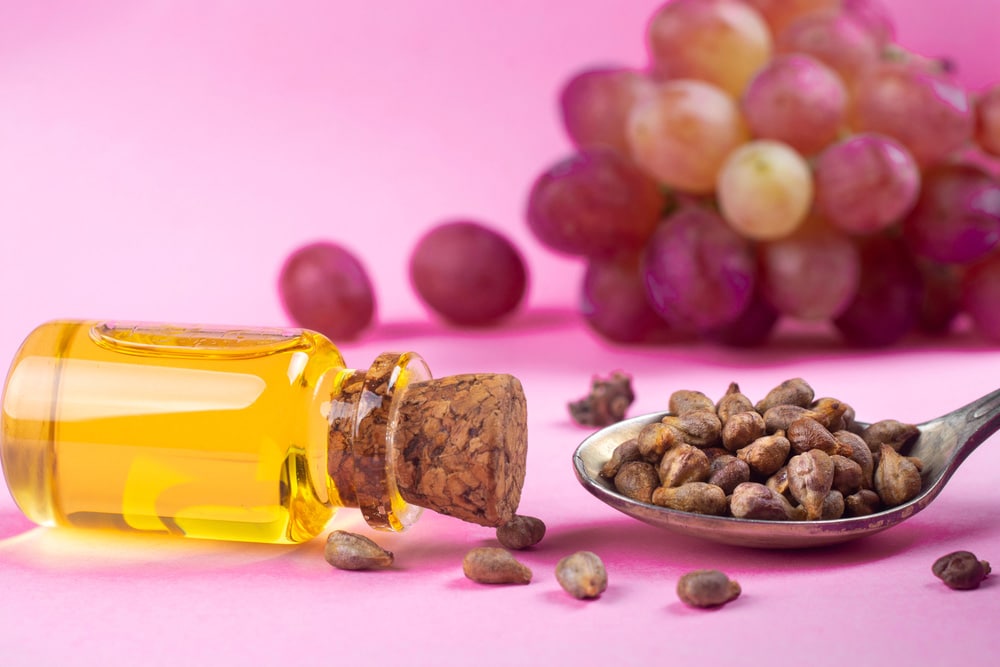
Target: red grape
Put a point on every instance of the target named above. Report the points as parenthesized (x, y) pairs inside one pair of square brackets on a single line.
[(888, 301), (595, 104), (812, 274), (324, 287), (751, 328), (722, 42), (942, 300), (596, 203), (798, 100), (874, 16), (836, 39), (682, 133), (779, 14), (981, 295), (866, 183), (614, 304), (925, 112), (957, 216), (988, 120), (467, 273), (699, 273)]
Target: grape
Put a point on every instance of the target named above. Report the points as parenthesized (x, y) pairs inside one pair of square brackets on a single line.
[(779, 14), (751, 328), (682, 134), (988, 120), (797, 100), (722, 42), (835, 39), (925, 112), (699, 273), (614, 304), (595, 104), (889, 298), (324, 287), (812, 274), (874, 16), (765, 189), (942, 300), (957, 216), (866, 183), (467, 273), (595, 203), (981, 294)]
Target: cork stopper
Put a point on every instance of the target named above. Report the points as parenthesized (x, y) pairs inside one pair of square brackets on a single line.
[(461, 445)]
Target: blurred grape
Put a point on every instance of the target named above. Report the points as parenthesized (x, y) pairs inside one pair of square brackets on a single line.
[(927, 113), (981, 295), (722, 42), (699, 274), (595, 203), (836, 39), (874, 16), (614, 304), (810, 275), (324, 287), (957, 216), (798, 100), (467, 273), (751, 328), (890, 294), (942, 297), (683, 132), (595, 104), (779, 14), (765, 189), (866, 183), (988, 120)]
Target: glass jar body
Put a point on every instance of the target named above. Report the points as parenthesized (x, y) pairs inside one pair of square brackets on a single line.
[(212, 433)]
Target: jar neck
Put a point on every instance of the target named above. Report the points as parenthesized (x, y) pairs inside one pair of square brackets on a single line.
[(361, 441)]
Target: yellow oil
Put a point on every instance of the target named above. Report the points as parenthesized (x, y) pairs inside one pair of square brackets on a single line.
[(207, 433)]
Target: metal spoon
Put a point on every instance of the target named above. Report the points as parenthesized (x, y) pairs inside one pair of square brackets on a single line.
[(943, 444)]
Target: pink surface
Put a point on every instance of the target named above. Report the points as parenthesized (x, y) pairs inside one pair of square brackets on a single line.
[(158, 162)]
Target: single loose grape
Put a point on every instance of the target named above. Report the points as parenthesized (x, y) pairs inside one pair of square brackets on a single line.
[(798, 100), (614, 304), (957, 216), (866, 183), (981, 295), (595, 104), (595, 203), (682, 133), (765, 189), (699, 273), (926, 112), (836, 39), (722, 42), (324, 287), (887, 304), (467, 273)]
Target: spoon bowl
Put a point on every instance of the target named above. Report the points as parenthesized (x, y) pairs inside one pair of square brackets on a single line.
[(943, 444)]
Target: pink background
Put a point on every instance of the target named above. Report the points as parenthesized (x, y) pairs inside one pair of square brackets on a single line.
[(159, 160)]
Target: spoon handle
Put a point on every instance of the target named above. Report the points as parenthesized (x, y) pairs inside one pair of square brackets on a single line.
[(975, 422)]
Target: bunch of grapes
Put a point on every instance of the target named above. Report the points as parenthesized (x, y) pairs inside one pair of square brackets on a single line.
[(777, 159)]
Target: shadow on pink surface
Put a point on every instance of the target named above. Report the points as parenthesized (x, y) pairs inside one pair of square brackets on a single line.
[(623, 544)]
